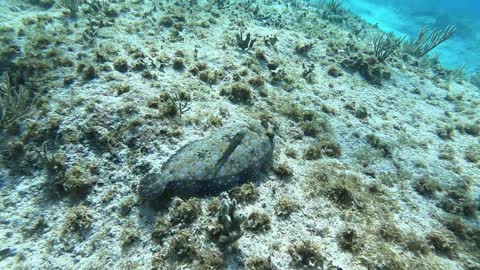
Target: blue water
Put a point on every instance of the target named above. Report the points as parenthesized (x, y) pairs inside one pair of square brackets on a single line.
[(406, 17)]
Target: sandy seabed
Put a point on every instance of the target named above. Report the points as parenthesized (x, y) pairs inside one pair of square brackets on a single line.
[(376, 165)]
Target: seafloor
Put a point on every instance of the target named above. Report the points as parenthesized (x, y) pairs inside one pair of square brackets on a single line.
[(376, 165)]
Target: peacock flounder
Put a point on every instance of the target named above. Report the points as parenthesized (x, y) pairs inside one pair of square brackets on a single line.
[(225, 159)]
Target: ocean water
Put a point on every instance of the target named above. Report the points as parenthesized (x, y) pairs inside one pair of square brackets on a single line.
[(234, 134), (406, 18)]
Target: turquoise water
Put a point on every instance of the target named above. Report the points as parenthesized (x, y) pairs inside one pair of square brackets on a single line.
[(407, 18)]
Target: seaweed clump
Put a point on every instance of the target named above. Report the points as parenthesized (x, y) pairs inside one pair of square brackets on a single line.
[(77, 220), (76, 181), (443, 243), (161, 230), (338, 185), (459, 203), (348, 239), (383, 257), (185, 212), (129, 235), (313, 124), (259, 263), (426, 186), (258, 222), (306, 254), (183, 246), (368, 67), (245, 193), (286, 206), (416, 244), (380, 145), (323, 147), (472, 154), (238, 93), (282, 170)]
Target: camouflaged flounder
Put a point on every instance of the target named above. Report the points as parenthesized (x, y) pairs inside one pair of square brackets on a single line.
[(227, 158)]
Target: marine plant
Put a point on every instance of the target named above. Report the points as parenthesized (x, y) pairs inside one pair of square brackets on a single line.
[(334, 5), (313, 124), (258, 222), (443, 242), (380, 144), (348, 239), (306, 254), (472, 153), (445, 133), (221, 3), (99, 8), (209, 77), (87, 71), (245, 193), (415, 244), (382, 256), (458, 202), (323, 147), (166, 21), (259, 263), (286, 206), (475, 79), (282, 170), (334, 71), (99, 14), (367, 66), (210, 259), (471, 128), (127, 205), (238, 93), (77, 181), (246, 43), (161, 230), (457, 226), (9, 48), (183, 246), (304, 48), (359, 111), (427, 39), (53, 164), (339, 185), (178, 64), (13, 102), (390, 232), (307, 72), (344, 194), (77, 220), (175, 104), (72, 5), (185, 212), (385, 44), (120, 65), (426, 186), (129, 235)]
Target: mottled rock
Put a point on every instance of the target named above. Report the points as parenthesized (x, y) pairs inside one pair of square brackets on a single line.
[(225, 159)]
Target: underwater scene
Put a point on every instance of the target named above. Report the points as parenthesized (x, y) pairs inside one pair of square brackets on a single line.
[(240, 134)]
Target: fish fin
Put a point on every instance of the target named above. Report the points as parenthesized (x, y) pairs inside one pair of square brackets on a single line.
[(237, 139), (152, 186)]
